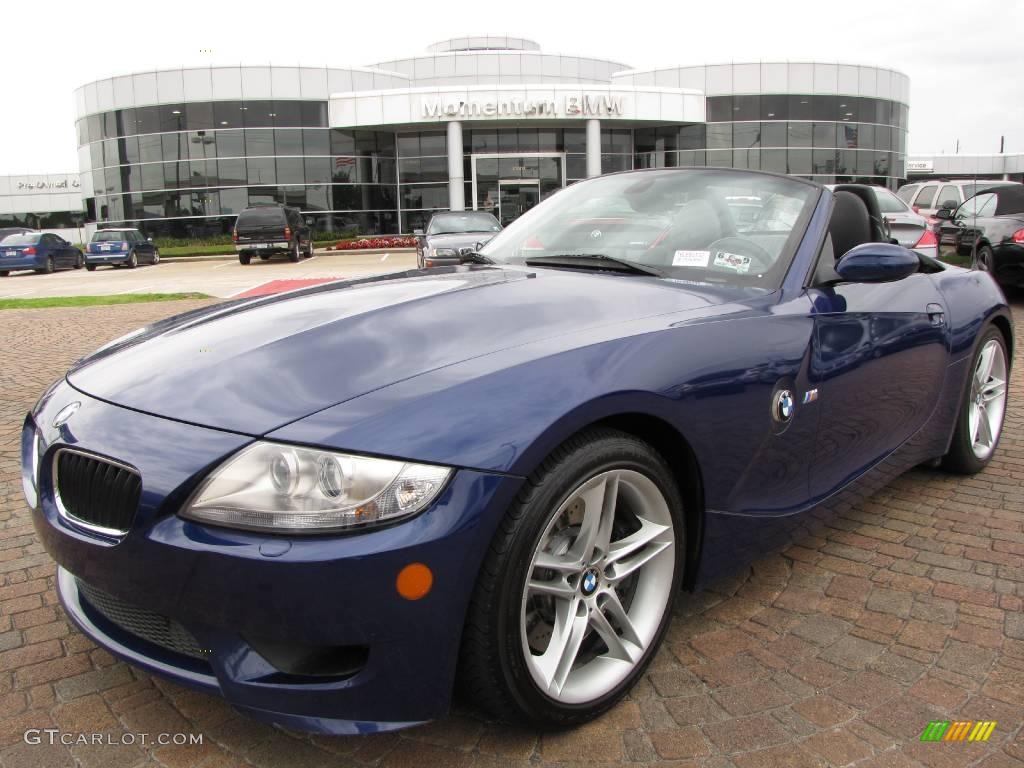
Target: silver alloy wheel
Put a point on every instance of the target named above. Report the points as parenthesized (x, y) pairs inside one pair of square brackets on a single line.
[(985, 259), (988, 399), (156, 256), (600, 580)]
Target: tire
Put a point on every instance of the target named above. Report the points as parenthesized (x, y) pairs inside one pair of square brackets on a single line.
[(156, 257), (4, 272), (244, 258), (986, 260), (295, 253), (264, 257), (91, 267), (309, 250), (510, 628), (79, 261), (979, 423), (133, 261), (49, 268)]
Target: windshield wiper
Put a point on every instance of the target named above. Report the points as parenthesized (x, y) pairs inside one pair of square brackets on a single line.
[(594, 261)]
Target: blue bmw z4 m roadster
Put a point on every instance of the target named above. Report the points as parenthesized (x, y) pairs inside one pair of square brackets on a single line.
[(501, 473)]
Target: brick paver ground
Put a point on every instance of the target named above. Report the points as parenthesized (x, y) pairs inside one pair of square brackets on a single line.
[(837, 651)]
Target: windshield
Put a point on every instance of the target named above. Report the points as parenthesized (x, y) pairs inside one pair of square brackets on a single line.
[(888, 202), (106, 236), (708, 225), (459, 223), (29, 238)]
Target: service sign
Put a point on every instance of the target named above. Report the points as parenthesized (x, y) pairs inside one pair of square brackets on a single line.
[(921, 166), (29, 185)]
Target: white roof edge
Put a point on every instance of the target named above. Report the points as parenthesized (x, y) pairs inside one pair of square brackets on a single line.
[(668, 67), (520, 87)]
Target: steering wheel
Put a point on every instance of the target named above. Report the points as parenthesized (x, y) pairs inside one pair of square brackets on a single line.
[(740, 255)]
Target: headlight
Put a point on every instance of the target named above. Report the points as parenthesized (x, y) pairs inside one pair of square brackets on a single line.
[(284, 488), (446, 252), (30, 466)]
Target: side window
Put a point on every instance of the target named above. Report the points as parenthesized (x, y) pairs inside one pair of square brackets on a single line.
[(948, 197), (926, 196), (906, 193), (979, 205)]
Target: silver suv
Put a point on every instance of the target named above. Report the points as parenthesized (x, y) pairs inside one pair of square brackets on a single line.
[(927, 197)]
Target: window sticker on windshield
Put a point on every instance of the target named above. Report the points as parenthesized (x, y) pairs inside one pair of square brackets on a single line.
[(732, 261), (691, 258)]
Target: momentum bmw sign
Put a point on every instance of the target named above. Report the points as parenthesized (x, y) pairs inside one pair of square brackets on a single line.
[(581, 105)]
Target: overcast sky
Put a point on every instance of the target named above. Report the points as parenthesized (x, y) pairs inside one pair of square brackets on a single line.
[(964, 59)]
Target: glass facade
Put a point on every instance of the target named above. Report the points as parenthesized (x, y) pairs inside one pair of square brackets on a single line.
[(830, 139), (187, 169)]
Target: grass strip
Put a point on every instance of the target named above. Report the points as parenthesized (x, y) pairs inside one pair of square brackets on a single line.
[(95, 301)]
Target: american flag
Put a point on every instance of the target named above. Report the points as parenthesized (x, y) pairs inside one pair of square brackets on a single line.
[(851, 136), (341, 162)]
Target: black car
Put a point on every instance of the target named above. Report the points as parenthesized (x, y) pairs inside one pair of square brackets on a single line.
[(453, 234), (264, 230), (989, 229)]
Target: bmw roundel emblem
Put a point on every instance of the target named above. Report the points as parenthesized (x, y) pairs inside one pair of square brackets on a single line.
[(65, 413), (784, 406), (596, 234), (589, 582)]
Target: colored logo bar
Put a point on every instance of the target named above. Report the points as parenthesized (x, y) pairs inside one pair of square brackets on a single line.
[(958, 730)]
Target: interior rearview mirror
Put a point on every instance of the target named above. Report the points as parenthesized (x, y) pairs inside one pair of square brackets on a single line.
[(877, 263)]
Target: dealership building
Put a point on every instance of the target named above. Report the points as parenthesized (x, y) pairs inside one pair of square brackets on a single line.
[(484, 123)]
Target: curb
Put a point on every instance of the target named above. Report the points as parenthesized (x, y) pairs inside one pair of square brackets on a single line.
[(317, 252)]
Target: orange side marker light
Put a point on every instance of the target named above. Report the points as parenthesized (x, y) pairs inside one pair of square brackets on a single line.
[(414, 581)]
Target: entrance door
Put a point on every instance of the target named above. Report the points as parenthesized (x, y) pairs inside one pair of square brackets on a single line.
[(516, 197)]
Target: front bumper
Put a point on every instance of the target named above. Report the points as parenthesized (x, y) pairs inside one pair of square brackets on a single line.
[(239, 593)]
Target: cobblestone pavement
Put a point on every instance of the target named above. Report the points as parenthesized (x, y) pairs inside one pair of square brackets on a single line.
[(838, 651)]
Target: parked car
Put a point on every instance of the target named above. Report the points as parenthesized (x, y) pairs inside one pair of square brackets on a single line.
[(909, 229), (265, 230), (927, 197), (505, 471), (989, 229), (122, 247), (451, 234), (39, 251)]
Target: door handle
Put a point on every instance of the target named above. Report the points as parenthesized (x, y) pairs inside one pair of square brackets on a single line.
[(936, 314)]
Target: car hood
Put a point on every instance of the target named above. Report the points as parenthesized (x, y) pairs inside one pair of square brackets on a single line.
[(252, 366), (461, 240)]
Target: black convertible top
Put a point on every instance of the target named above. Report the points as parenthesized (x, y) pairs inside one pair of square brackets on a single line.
[(1009, 199)]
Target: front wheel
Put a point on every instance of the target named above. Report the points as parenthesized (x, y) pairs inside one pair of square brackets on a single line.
[(980, 421), (156, 257), (79, 261), (576, 591), (91, 267), (986, 260)]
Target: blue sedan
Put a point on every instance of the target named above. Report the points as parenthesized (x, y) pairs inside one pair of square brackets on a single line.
[(504, 471), (39, 251), (123, 247)]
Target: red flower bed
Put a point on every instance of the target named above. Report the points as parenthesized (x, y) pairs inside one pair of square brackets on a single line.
[(375, 242)]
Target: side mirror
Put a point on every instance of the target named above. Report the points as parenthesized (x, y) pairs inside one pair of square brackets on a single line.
[(951, 204), (877, 263), (944, 213)]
